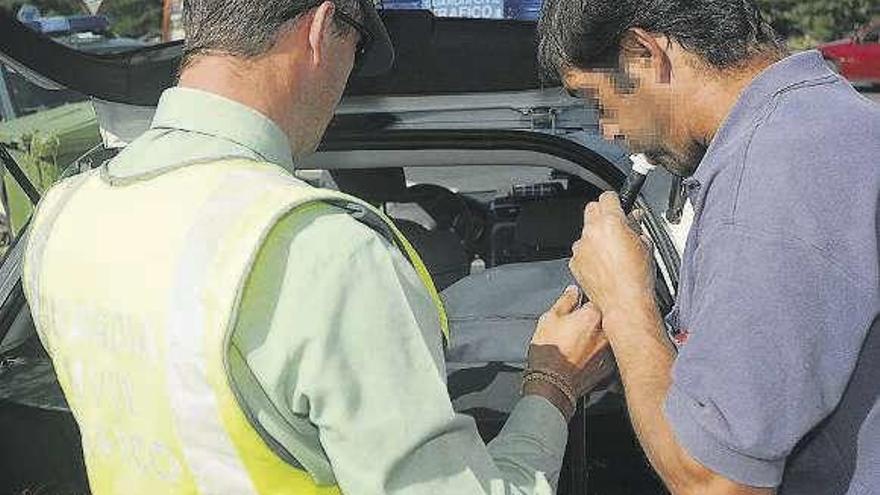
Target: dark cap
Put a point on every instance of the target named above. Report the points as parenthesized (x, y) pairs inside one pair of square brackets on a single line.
[(379, 53)]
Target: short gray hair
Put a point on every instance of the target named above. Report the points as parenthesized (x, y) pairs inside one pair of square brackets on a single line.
[(246, 28)]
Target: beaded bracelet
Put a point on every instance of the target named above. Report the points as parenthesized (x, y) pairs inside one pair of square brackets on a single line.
[(555, 379)]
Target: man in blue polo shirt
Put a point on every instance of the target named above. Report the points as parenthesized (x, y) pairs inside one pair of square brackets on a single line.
[(770, 382)]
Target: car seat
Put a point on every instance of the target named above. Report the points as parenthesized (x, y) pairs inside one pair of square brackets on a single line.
[(547, 229), (440, 247)]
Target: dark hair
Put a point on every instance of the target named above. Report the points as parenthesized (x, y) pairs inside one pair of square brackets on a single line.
[(724, 34), (246, 28)]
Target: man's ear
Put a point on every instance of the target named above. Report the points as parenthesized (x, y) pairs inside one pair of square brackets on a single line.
[(641, 50), (320, 30), (581, 82)]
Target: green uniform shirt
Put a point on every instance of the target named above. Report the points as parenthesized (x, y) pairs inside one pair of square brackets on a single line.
[(337, 354)]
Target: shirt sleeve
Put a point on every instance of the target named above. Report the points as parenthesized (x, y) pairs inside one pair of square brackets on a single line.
[(775, 332), (366, 366)]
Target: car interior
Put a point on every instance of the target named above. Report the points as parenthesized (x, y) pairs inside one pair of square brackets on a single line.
[(452, 229)]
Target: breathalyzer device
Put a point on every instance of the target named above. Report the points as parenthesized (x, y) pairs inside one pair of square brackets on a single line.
[(632, 186)]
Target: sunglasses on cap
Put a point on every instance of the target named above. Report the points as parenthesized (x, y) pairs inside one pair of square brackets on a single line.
[(374, 52), (365, 37)]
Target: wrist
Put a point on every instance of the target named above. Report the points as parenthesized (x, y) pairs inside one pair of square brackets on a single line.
[(552, 394), (630, 314), (632, 332)]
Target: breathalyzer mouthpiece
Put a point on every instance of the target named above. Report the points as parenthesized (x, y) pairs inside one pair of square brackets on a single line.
[(634, 182)]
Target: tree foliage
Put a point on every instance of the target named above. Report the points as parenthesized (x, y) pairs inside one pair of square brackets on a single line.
[(134, 18), (819, 20)]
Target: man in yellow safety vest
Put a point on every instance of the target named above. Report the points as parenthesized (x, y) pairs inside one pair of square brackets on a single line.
[(220, 327)]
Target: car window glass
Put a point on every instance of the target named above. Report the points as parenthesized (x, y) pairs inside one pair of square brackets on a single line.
[(467, 218), (44, 131), (27, 98), (110, 26), (94, 26), (872, 36)]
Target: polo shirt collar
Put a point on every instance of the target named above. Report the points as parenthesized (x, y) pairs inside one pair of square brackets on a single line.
[(790, 72), (192, 110)]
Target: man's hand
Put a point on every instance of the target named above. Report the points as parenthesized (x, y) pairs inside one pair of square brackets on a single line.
[(569, 341), (615, 268), (611, 262)]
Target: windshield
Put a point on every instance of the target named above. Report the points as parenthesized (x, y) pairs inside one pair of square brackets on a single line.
[(118, 25), (93, 25), (98, 25), (26, 98)]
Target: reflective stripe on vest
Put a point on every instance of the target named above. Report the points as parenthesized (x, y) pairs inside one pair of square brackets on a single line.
[(135, 291)]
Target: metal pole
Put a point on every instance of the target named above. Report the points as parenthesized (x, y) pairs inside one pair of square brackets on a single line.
[(18, 174), (7, 110)]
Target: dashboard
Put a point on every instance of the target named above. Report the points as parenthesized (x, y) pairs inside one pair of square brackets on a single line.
[(463, 219)]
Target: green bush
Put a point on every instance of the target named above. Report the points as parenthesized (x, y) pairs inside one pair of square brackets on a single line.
[(809, 22)]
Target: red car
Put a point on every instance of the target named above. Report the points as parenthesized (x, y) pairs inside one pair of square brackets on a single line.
[(857, 58)]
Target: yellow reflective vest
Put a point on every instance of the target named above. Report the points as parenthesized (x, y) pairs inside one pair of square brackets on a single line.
[(134, 289)]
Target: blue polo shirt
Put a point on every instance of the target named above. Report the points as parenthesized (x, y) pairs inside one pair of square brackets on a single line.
[(777, 378)]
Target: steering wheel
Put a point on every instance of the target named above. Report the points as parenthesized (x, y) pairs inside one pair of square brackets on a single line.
[(448, 210)]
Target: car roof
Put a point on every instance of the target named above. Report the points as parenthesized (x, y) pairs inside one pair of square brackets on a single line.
[(434, 56)]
